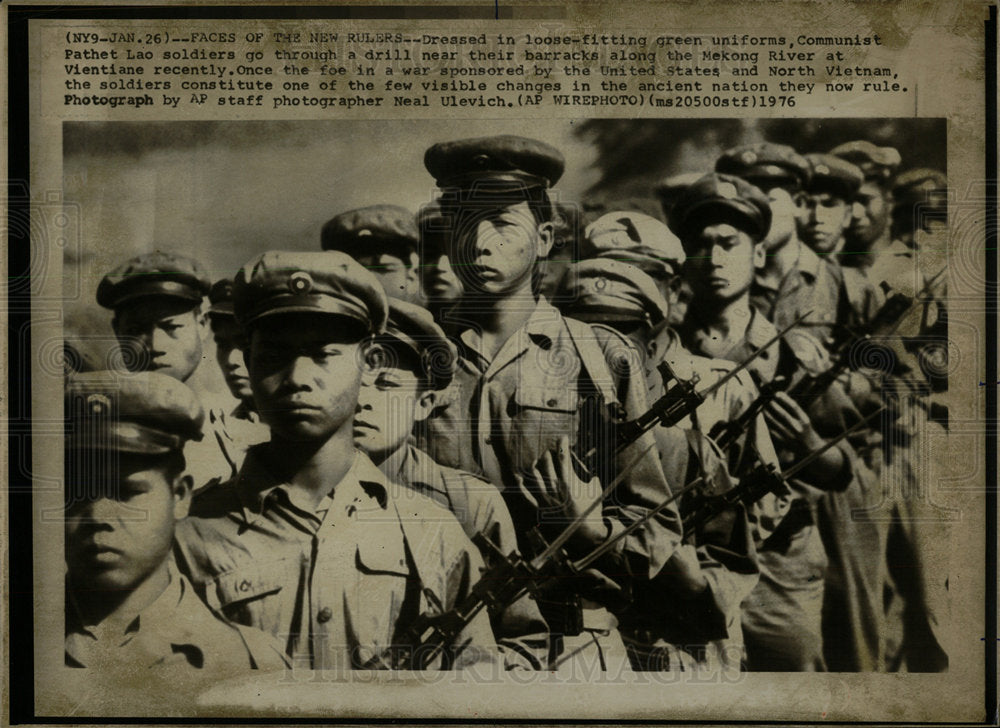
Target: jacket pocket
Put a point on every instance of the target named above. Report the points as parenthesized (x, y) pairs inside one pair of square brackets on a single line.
[(250, 594)]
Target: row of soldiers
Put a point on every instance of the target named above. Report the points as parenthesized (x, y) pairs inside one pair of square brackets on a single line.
[(439, 456)]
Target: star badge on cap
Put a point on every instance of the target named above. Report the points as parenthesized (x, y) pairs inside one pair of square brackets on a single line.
[(300, 282)]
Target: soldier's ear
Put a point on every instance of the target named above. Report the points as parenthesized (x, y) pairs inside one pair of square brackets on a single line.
[(201, 318), (424, 405), (546, 239), (759, 255), (182, 486)]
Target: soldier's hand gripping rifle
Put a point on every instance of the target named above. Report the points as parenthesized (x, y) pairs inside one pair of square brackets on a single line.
[(509, 578), (761, 479), (682, 399), (810, 387), (885, 321)]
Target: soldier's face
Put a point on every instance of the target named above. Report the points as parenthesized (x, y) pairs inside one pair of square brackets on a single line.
[(871, 214), (398, 277), (120, 521), (721, 262), (440, 283), (389, 404), (305, 372), (229, 346), (159, 334), (496, 247), (824, 219)]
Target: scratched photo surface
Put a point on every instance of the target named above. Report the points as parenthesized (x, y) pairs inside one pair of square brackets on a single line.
[(452, 407)]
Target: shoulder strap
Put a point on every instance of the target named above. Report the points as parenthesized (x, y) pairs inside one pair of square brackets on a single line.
[(592, 355)]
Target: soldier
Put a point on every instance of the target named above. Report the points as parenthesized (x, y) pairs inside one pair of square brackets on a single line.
[(308, 542), (828, 206), (157, 301), (384, 239), (532, 386), (722, 221), (128, 612), (440, 286), (792, 279), (691, 615), (648, 244), (418, 364), (868, 233), (639, 240), (237, 429)]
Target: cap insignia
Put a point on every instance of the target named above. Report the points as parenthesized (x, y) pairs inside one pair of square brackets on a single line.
[(300, 282)]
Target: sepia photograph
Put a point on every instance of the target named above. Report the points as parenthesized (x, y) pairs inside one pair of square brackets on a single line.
[(628, 395), (502, 363)]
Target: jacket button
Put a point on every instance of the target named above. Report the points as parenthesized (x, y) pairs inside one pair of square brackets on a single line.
[(551, 402), (325, 615)]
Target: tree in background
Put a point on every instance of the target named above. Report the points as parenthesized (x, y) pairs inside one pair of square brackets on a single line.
[(633, 155)]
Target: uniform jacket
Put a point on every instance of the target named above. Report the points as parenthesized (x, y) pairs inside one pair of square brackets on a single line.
[(555, 376), (338, 584), (175, 634)]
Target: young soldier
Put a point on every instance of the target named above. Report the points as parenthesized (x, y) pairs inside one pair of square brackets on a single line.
[(690, 616), (828, 206), (237, 429), (648, 244), (307, 542), (533, 386), (791, 278), (158, 319), (384, 239), (868, 234), (129, 614), (157, 299), (639, 240), (415, 363), (722, 220)]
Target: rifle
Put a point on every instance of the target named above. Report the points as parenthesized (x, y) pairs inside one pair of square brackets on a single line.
[(760, 480), (725, 434), (510, 577), (683, 398), (810, 387)]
